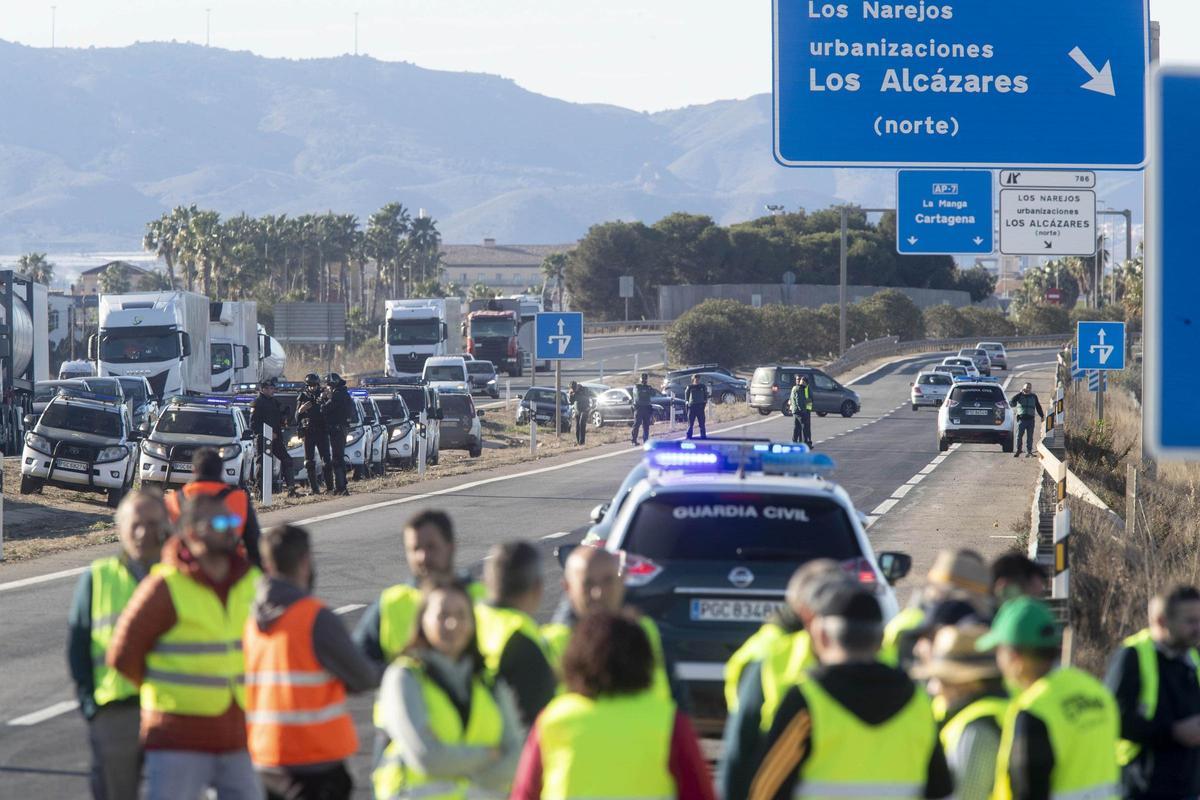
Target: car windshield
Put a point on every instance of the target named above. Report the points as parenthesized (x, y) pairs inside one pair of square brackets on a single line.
[(977, 395), (392, 407), (741, 526), (492, 327), (446, 372), (109, 386), (457, 405), (137, 345), (764, 376), (952, 370), (414, 331), (222, 357), (414, 398), (44, 392), (934, 380), (481, 368), (135, 389), (197, 423), (82, 419), (368, 411)]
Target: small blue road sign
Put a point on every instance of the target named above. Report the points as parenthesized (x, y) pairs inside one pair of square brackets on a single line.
[(943, 212), (1101, 345), (559, 336), (1097, 380)]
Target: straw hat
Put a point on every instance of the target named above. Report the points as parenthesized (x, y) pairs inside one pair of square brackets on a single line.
[(955, 659), (962, 570)]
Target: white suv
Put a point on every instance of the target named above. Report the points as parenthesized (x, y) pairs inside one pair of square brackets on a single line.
[(82, 441), (975, 411), (447, 372), (996, 353), (184, 426)]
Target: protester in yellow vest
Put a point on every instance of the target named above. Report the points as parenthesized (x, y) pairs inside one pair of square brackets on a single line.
[(389, 623), (955, 575), (852, 727), (1154, 677), (592, 582), (450, 730), (611, 735), (968, 686), (108, 702), (764, 669), (1060, 732), (509, 638), (180, 641)]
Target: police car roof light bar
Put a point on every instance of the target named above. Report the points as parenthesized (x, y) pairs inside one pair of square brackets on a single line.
[(83, 394), (736, 456), (359, 393)]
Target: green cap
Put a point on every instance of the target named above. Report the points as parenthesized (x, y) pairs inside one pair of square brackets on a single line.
[(1022, 622)]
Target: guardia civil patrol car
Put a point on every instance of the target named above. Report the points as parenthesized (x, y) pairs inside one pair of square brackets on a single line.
[(82, 440), (710, 536), (185, 425), (976, 411)]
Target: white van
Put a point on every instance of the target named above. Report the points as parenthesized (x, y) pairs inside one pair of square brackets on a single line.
[(447, 372)]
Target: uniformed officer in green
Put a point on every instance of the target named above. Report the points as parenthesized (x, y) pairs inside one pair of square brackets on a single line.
[(1027, 404), (801, 405), (643, 408), (108, 701), (1060, 732), (852, 727), (1155, 677)]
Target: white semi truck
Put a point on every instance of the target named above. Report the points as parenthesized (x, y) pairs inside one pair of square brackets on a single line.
[(272, 357), (233, 344), (160, 335), (414, 330)]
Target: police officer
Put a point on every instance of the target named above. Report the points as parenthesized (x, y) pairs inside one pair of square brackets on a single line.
[(800, 404), (643, 408), (581, 398), (1027, 404), (265, 410), (338, 409), (310, 416), (696, 397)]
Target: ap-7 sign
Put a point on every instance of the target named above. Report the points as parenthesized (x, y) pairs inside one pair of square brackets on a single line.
[(967, 83)]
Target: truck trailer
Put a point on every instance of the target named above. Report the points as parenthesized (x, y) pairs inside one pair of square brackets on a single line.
[(233, 344), (24, 353)]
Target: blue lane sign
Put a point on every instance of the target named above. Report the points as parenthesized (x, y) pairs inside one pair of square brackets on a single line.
[(1101, 345), (559, 336), (1097, 380), (943, 212), (1172, 329), (969, 83)]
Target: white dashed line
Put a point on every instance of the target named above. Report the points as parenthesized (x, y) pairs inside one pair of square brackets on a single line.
[(915, 479), (346, 609), (902, 491), (558, 535), (50, 712), (884, 507)]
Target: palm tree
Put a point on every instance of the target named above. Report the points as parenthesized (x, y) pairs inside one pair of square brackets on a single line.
[(114, 280), (201, 242), (162, 238), (36, 267), (426, 257), (554, 267), (154, 281), (387, 232)]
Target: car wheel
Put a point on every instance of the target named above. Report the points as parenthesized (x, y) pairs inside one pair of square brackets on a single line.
[(114, 497), (435, 457), (728, 397), (943, 445), (476, 451), (765, 412), (31, 485), (596, 419), (1006, 444), (822, 413), (848, 409), (915, 406)]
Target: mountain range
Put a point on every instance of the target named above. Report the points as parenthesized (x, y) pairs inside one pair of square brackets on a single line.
[(95, 142)]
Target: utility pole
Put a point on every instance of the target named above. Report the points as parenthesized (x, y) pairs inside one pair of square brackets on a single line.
[(843, 252), (53, 24), (207, 26)]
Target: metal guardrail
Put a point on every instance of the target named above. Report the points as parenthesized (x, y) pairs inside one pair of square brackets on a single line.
[(631, 325), (892, 346)]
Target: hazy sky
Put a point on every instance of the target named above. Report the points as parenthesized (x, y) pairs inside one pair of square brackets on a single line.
[(642, 54)]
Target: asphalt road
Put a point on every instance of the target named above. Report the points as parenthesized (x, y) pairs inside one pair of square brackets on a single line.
[(43, 749)]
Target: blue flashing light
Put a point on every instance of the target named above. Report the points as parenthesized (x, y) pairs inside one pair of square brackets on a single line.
[(359, 393), (216, 401), (244, 398), (81, 394), (735, 456)]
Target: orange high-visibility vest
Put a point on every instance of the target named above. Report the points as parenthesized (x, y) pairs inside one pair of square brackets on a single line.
[(236, 501), (295, 710)]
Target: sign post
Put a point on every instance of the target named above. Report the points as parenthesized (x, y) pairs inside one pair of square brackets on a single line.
[(1101, 347), (625, 290), (879, 84), (268, 485), (943, 212), (559, 337)]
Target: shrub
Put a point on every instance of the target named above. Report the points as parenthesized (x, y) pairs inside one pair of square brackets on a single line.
[(944, 321), (987, 322), (1108, 313), (892, 313), (1038, 320), (716, 331)]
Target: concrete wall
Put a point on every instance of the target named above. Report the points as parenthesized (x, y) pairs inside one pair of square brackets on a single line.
[(673, 301)]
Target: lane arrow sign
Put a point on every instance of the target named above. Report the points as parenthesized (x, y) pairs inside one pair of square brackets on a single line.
[(561, 324), (978, 240), (1049, 244), (1104, 350), (913, 240), (1101, 79)]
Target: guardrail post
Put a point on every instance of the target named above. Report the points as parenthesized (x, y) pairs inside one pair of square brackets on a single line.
[(532, 432), (507, 392), (1061, 589), (635, 367), (1131, 499), (266, 457), (602, 370), (1, 515), (422, 445), (671, 412)]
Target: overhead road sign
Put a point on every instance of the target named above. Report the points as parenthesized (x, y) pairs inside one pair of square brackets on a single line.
[(1172, 282), (882, 83), (943, 212), (559, 336), (1101, 345), (1047, 179), (1047, 222)]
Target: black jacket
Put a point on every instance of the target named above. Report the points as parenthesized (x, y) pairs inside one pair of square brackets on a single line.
[(338, 409), (310, 415), (581, 398), (1164, 768), (696, 394), (643, 396), (873, 693), (266, 411)]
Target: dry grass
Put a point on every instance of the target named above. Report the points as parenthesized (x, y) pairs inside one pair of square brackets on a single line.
[(1114, 573)]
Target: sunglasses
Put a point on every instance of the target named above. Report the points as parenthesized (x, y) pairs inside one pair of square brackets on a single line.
[(225, 523)]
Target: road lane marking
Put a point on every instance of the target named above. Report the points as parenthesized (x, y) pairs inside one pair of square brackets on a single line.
[(928, 468), (50, 712), (902, 491), (558, 535), (884, 507), (915, 479), (346, 609), (50, 576)]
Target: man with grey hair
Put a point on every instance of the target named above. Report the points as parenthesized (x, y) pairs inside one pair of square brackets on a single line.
[(851, 703), (108, 702)]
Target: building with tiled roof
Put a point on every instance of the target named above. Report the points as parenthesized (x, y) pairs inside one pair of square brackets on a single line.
[(502, 266)]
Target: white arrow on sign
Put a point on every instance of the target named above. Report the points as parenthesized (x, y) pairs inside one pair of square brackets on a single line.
[(913, 240), (563, 340), (978, 240), (1105, 350), (1101, 79)]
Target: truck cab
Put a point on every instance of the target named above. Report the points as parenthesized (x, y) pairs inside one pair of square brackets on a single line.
[(492, 336), (415, 330), (162, 336), (234, 344)]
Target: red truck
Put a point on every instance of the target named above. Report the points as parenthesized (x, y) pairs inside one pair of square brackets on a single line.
[(492, 336)]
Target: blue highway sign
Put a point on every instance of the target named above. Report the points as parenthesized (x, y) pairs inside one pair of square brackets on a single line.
[(559, 336), (943, 212), (1101, 345), (969, 83), (1172, 329)]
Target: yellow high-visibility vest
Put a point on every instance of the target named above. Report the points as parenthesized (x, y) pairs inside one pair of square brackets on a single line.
[(112, 586)]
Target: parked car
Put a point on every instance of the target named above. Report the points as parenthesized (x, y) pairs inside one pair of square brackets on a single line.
[(540, 402), (482, 375), (721, 387), (772, 385), (461, 428), (616, 406), (688, 372)]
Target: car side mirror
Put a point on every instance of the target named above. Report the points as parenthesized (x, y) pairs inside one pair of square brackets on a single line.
[(247, 436), (598, 513), (144, 429), (30, 420), (894, 566), (563, 552), (480, 414), (382, 333), (413, 416), (439, 414), (185, 343), (385, 420)]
